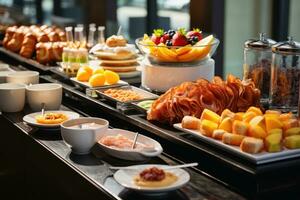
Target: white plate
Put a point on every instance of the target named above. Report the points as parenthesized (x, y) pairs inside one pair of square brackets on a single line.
[(259, 158), (125, 177), (129, 74), (30, 118), (128, 154), (87, 85)]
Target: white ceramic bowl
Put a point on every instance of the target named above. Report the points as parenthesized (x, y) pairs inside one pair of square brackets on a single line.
[(4, 67), (128, 154), (48, 93), (82, 140), (12, 97), (26, 77)]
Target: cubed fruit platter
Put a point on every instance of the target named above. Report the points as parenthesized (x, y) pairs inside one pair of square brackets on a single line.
[(256, 136)]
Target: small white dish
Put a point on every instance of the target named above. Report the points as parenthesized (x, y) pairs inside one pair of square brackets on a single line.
[(125, 177), (12, 97), (3, 75), (31, 118), (4, 67), (48, 93), (25, 77), (131, 154), (81, 137)]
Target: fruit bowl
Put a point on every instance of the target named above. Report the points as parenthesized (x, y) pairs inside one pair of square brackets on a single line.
[(161, 53)]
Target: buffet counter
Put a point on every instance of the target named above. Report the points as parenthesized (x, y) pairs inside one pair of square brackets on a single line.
[(32, 155), (43, 167)]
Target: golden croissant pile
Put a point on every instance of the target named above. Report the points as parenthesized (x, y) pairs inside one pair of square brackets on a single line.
[(45, 43), (191, 98)]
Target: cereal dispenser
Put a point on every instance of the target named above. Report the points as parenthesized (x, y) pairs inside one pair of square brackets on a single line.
[(285, 74), (257, 64)]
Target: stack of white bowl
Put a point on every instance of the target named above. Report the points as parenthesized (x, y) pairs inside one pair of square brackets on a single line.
[(22, 87)]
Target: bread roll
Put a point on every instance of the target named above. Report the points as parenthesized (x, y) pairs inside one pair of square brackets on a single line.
[(28, 45)]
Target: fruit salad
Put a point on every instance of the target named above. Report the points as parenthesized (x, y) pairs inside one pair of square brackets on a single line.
[(177, 46)]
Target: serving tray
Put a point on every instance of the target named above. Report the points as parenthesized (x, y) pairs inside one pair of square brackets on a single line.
[(260, 158), (27, 61), (145, 95), (87, 85)]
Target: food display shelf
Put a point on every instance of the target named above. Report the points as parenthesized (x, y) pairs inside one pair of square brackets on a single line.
[(29, 62), (259, 181), (230, 170)]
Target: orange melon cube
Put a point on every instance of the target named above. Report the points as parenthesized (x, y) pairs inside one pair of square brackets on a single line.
[(275, 131), (277, 112), (238, 116), (272, 115), (240, 127), (226, 124), (248, 116), (232, 139), (272, 123), (207, 127), (256, 110), (257, 132), (210, 115), (290, 123), (227, 113), (252, 145), (292, 131), (218, 134), (286, 116), (258, 120)]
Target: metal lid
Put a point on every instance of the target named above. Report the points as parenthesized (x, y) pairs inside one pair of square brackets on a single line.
[(261, 43), (287, 47)]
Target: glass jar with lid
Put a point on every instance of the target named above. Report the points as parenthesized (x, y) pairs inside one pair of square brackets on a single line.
[(257, 64), (285, 74)]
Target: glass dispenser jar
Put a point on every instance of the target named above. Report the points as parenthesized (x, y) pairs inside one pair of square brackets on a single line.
[(257, 64), (285, 76)]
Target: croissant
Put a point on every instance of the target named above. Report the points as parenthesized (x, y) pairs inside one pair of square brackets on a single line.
[(191, 98), (28, 45)]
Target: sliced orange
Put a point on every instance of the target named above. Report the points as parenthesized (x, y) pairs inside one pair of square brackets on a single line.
[(97, 80)]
